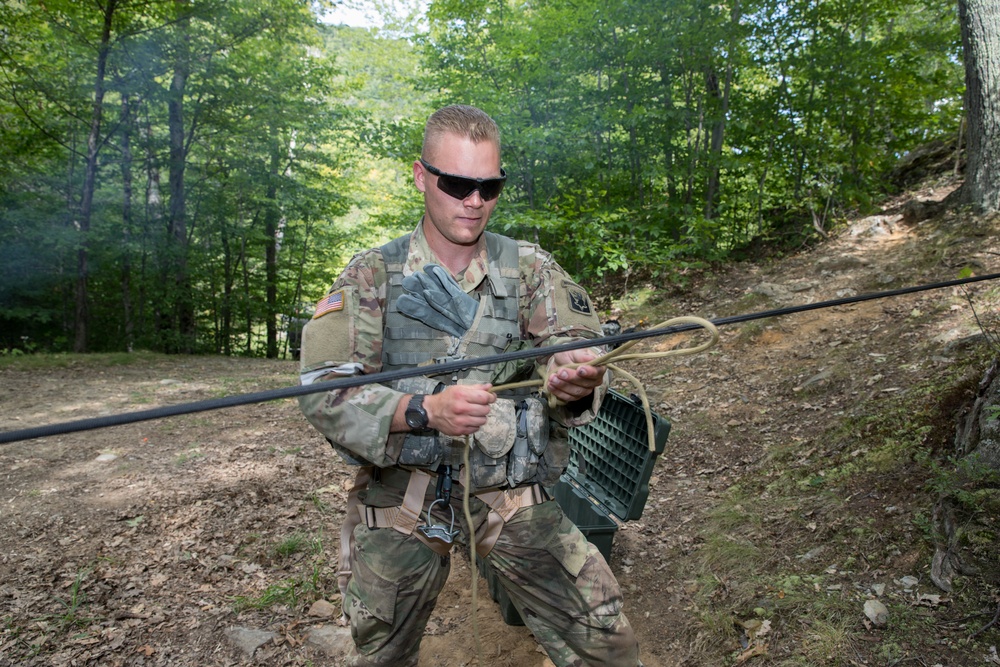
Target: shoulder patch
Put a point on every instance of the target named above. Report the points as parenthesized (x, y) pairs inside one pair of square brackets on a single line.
[(332, 302), (579, 302), (329, 339)]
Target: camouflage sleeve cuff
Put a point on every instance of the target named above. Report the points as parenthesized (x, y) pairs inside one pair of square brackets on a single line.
[(357, 420)]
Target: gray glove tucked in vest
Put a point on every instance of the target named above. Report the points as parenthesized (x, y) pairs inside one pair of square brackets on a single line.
[(435, 298)]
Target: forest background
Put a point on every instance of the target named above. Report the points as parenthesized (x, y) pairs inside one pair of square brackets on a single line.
[(191, 175)]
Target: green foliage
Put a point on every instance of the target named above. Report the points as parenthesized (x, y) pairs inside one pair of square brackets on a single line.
[(245, 153), (613, 113)]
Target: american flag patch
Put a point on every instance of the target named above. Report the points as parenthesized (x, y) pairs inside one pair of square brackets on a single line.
[(331, 302)]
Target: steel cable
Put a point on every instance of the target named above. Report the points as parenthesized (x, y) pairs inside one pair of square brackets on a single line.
[(446, 367)]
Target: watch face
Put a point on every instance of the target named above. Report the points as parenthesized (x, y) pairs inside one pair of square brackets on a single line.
[(416, 416)]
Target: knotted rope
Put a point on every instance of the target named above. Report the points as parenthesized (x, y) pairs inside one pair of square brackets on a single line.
[(614, 357)]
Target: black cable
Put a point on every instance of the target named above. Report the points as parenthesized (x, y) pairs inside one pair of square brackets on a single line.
[(443, 368)]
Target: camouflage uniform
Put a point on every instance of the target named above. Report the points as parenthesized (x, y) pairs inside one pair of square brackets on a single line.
[(560, 584)]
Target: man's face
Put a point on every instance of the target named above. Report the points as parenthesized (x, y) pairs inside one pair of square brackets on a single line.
[(457, 221)]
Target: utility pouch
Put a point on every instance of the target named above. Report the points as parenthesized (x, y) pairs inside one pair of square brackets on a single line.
[(555, 459), (514, 370), (487, 472), (424, 451), (531, 442), (496, 437), (537, 423)]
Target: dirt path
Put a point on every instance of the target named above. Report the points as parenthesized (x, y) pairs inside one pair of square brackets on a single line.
[(133, 545)]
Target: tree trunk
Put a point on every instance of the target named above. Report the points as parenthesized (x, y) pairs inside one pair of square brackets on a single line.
[(228, 277), (153, 243), (81, 318), (980, 20), (126, 271), (177, 224), (271, 216), (719, 127)]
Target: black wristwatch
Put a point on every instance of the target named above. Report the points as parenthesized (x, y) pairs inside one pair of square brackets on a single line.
[(416, 415)]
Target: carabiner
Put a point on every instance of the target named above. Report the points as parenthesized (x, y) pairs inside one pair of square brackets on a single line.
[(438, 531)]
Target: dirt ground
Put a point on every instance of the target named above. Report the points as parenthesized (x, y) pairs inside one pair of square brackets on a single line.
[(149, 543)]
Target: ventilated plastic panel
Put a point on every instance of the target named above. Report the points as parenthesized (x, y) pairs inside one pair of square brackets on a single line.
[(610, 458)]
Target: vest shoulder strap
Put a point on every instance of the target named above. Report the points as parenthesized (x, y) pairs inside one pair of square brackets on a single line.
[(505, 250), (394, 253)]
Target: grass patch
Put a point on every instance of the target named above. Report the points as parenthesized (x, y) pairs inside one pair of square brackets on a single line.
[(72, 615), (316, 498), (287, 593), (749, 332), (290, 592), (305, 586), (298, 543)]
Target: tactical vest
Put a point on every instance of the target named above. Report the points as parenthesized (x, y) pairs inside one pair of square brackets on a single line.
[(408, 342)]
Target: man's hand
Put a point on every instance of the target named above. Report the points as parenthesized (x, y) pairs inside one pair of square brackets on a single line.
[(572, 384), (460, 409)]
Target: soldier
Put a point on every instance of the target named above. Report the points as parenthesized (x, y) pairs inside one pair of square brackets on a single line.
[(450, 290)]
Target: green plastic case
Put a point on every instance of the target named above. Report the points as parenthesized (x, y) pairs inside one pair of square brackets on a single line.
[(606, 482)]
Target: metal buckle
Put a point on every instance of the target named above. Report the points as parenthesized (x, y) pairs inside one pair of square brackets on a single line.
[(438, 531), (447, 359)]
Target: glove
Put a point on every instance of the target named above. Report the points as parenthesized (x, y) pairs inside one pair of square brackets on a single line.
[(435, 298)]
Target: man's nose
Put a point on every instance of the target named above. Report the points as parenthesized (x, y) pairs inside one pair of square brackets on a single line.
[(474, 200)]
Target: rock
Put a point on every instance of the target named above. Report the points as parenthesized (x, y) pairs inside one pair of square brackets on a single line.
[(103, 458), (955, 342), (908, 582), (248, 640), (822, 376), (934, 157), (322, 609), (875, 225), (916, 210), (334, 641), (979, 433), (877, 613), (811, 554), (841, 263), (773, 291)]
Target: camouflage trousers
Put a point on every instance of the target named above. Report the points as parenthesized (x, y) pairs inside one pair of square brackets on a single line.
[(559, 583)]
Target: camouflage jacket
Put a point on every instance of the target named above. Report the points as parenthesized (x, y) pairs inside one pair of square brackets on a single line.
[(345, 338)]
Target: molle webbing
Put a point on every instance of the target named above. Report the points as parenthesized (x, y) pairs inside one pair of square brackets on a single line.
[(408, 342)]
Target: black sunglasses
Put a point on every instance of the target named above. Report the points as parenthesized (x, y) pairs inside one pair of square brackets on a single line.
[(462, 187)]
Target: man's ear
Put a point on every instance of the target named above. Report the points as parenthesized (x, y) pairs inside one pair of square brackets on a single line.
[(418, 175)]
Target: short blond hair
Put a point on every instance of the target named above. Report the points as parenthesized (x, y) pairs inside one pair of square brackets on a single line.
[(463, 120)]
